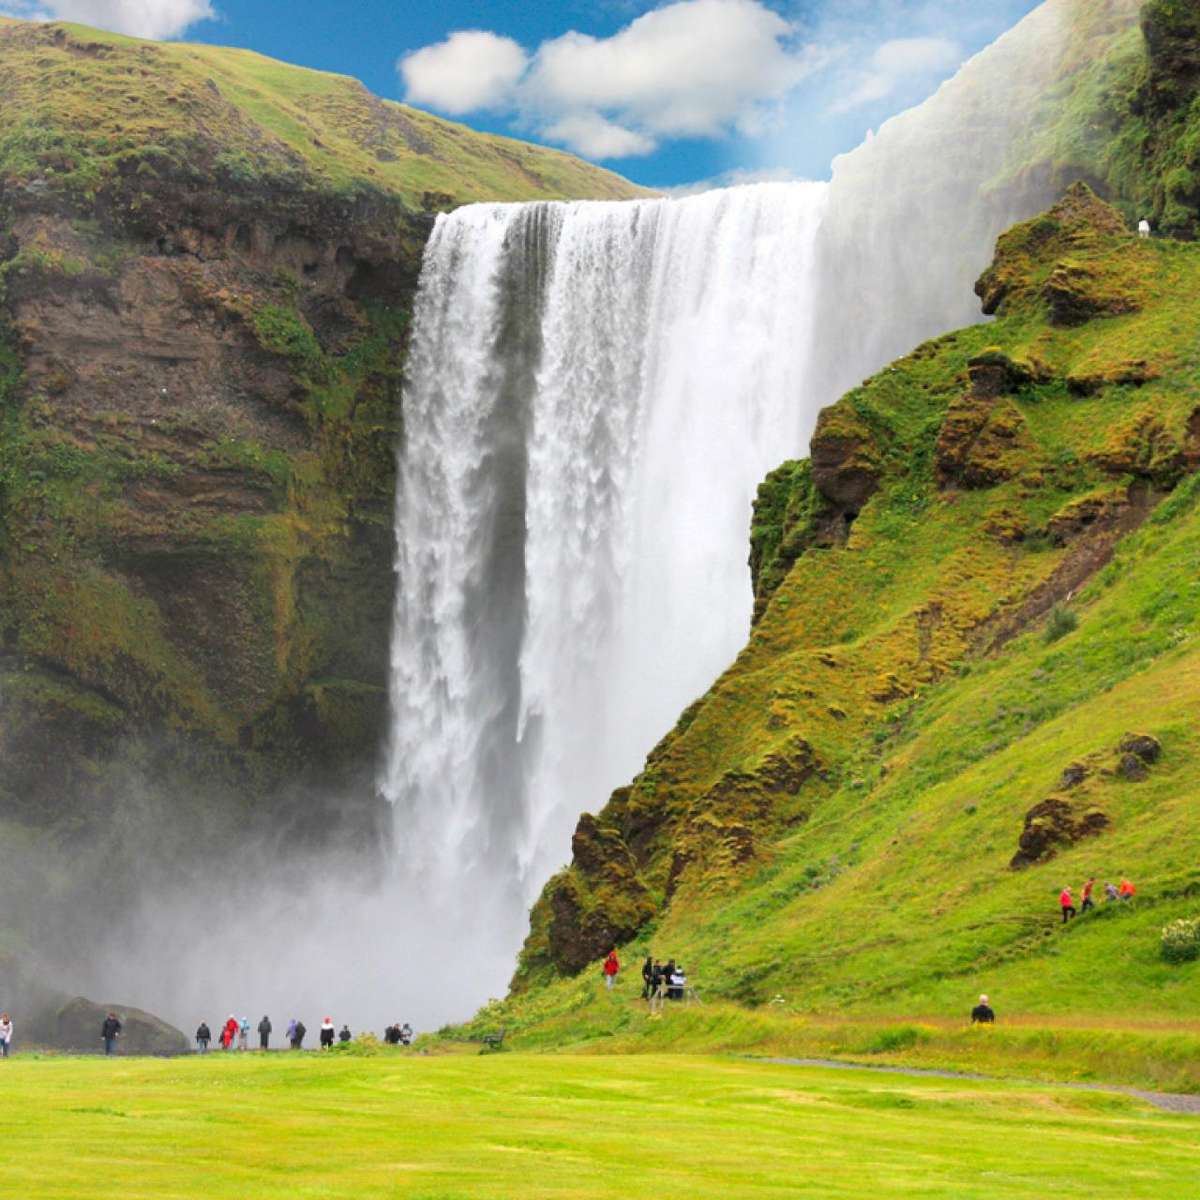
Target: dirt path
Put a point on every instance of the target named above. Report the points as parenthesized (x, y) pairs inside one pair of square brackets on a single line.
[(1176, 1102)]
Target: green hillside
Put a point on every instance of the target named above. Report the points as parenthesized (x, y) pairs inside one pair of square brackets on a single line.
[(90, 112), (974, 679)]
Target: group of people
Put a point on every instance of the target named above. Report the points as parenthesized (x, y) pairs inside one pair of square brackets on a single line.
[(659, 981), (235, 1034), (1112, 893)]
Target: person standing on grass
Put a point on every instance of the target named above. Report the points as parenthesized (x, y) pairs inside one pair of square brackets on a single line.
[(327, 1034), (611, 967), (406, 1034), (298, 1032), (1087, 895), (6, 1032), (344, 1035), (1126, 890), (244, 1034), (264, 1033), (1110, 893), (229, 1033), (110, 1031), (658, 987), (1067, 903), (982, 1013), (647, 975), (203, 1037)]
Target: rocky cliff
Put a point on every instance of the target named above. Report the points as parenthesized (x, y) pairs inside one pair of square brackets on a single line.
[(206, 265)]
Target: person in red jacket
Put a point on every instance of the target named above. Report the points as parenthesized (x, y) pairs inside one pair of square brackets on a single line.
[(1126, 890), (1067, 904), (1088, 902), (611, 967), (229, 1031)]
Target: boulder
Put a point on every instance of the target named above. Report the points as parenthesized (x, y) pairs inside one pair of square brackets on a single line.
[(1052, 824), (1141, 746), (76, 1025)]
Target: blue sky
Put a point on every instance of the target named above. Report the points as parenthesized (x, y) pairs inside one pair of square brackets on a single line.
[(666, 93)]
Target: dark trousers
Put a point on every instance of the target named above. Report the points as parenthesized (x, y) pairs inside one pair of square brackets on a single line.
[(263, 1040), (1068, 912), (110, 1045), (1087, 903)]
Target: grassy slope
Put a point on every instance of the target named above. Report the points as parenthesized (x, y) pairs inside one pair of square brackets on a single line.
[(91, 104), (884, 886), (507, 1125)]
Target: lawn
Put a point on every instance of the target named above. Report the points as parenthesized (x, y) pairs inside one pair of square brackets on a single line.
[(461, 1127)]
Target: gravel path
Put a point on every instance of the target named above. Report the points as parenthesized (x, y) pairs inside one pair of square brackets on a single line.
[(1176, 1102)]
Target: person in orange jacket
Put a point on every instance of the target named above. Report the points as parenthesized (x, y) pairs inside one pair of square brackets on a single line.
[(1126, 890), (1067, 903), (611, 967), (1088, 888)]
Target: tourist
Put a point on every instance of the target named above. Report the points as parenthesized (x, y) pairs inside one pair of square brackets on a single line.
[(264, 1033), (406, 1034), (1126, 890), (1144, 228), (391, 1036), (1110, 893), (658, 986), (6, 1032), (344, 1034), (676, 984), (244, 1034), (229, 1032), (291, 1031), (982, 1013), (327, 1034), (110, 1031), (1087, 895), (203, 1037), (1067, 904), (298, 1032), (647, 976), (611, 967)]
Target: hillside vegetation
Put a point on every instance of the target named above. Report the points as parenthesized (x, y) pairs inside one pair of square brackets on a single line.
[(973, 679)]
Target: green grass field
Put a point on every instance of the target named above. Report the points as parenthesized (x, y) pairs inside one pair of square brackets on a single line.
[(506, 1125)]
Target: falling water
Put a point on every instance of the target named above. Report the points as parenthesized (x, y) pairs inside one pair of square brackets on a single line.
[(594, 393)]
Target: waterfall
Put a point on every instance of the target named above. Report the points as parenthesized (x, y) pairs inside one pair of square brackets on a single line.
[(594, 392)]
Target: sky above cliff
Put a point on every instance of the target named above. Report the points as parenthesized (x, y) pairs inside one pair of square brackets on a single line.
[(668, 93)]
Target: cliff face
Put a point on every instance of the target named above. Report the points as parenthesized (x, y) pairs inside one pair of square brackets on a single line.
[(206, 265)]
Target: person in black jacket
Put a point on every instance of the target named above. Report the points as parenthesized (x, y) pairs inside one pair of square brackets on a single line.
[(203, 1037), (344, 1034), (264, 1033), (647, 976), (298, 1036), (110, 1031), (982, 1013)]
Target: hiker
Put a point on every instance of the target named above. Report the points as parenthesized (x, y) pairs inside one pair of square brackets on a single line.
[(676, 984), (110, 1031), (611, 967), (658, 985), (1087, 895), (327, 1032), (203, 1037), (244, 1034), (6, 1032), (344, 1034), (229, 1032), (291, 1031), (298, 1036), (982, 1013), (1110, 893), (647, 975), (406, 1034), (1126, 890), (1067, 903), (391, 1036), (1144, 228), (264, 1033)]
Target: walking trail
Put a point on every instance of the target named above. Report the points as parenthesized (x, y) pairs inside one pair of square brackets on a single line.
[(1176, 1102)]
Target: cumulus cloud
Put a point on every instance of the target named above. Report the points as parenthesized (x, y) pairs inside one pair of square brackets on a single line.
[(470, 71), (895, 63), (693, 68), (139, 18)]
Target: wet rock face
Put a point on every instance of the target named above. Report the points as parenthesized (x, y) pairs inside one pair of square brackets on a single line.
[(1053, 824), (77, 1024), (1076, 295)]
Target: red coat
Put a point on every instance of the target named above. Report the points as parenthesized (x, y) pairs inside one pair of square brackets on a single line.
[(1065, 900), (229, 1032), (611, 966)]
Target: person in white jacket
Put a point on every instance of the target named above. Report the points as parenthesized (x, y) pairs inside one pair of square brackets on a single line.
[(6, 1032)]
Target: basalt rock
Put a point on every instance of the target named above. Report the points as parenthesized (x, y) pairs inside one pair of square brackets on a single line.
[(1052, 825), (76, 1026)]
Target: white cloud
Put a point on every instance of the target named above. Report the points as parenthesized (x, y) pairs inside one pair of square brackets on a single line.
[(139, 18), (471, 70), (594, 136), (895, 63), (693, 68)]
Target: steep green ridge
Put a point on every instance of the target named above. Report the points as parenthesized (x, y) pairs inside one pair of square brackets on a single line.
[(95, 114), (979, 587), (207, 263)]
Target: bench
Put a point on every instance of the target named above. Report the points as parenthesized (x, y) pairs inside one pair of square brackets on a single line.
[(493, 1041)]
